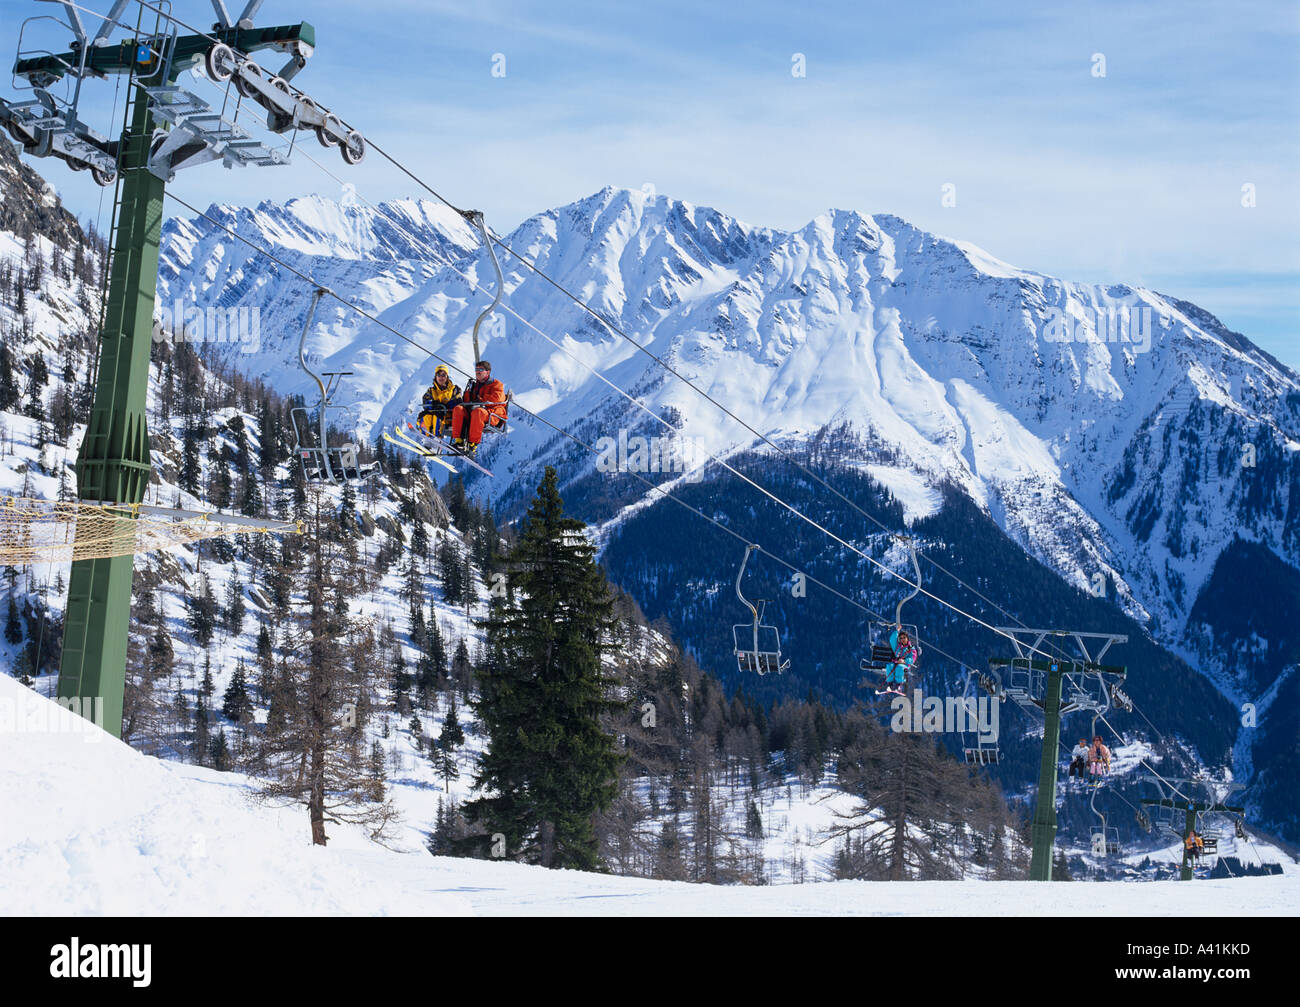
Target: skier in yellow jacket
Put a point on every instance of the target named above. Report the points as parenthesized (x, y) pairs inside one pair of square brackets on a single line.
[(442, 396)]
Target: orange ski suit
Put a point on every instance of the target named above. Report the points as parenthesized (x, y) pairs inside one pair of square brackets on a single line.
[(490, 391)]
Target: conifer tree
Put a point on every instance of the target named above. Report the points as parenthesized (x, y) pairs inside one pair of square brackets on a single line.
[(37, 377), (202, 738), (9, 393), (203, 613), (236, 704), (234, 608), (550, 766), (13, 626), (452, 736), (219, 750)]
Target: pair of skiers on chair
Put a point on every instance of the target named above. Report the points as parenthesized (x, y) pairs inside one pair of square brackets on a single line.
[(464, 416)]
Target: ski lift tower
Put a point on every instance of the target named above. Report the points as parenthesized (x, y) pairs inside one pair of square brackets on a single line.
[(1172, 800), (166, 128), (1054, 688)]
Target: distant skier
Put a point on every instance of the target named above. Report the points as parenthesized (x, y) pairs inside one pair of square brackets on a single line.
[(485, 402), (1079, 759), (1194, 844), (906, 654), (439, 400)]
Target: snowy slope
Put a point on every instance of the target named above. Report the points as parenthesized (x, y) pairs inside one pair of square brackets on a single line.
[(106, 830)]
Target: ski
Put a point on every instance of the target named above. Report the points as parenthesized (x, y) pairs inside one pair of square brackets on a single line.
[(438, 456), (419, 451)]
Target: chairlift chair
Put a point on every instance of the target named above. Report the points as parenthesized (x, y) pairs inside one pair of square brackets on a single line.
[(982, 755), (976, 750), (1104, 841), (322, 461), (758, 647), (882, 654)]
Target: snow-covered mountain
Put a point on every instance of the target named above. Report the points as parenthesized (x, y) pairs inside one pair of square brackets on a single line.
[(1120, 436)]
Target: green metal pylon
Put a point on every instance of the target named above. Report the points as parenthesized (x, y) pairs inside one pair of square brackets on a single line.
[(114, 464), (1043, 829)]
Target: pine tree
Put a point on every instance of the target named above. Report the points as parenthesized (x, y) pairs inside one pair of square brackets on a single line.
[(202, 738), (191, 456), (444, 763), (236, 704), (9, 392), (451, 736), (448, 829), (208, 687), (234, 606), (203, 613), (37, 377), (219, 750), (162, 656), (443, 752), (13, 626), (550, 766)]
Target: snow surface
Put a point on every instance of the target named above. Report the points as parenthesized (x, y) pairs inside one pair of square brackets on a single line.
[(93, 827)]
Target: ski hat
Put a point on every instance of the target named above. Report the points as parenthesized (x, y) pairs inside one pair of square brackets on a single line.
[(441, 369), (483, 365)]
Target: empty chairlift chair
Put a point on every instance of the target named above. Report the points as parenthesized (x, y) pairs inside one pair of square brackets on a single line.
[(321, 460), (758, 647)]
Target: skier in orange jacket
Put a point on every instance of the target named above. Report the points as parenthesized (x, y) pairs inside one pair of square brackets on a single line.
[(485, 402)]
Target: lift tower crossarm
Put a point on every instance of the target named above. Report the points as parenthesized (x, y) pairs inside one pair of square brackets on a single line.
[(120, 57)]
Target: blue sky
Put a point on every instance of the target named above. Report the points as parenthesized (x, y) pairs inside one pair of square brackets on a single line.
[(1133, 177)]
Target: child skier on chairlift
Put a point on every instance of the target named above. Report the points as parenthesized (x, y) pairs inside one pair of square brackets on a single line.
[(906, 653), (1098, 760)]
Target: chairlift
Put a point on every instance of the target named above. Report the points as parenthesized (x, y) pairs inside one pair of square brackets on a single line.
[(475, 217), (977, 751), (758, 647), (1103, 839), (882, 652), (322, 461)]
